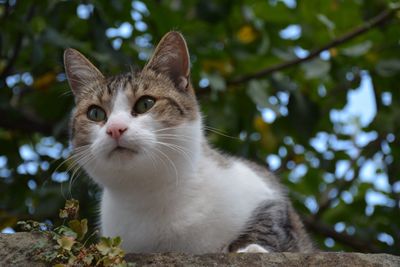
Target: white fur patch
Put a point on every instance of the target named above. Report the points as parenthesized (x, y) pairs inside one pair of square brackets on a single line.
[(169, 196), (253, 248), (200, 208)]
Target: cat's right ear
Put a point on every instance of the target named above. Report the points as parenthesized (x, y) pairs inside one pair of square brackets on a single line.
[(79, 70), (171, 57)]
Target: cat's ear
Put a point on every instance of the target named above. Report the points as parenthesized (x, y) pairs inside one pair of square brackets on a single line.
[(80, 71), (171, 58)]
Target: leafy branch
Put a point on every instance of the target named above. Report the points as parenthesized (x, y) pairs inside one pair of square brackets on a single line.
[(70, 242), (17, 47), (12, 119), (356, 243), (27, 124), (368, 25)]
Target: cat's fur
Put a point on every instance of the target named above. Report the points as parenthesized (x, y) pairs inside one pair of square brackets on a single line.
[(167, 190)]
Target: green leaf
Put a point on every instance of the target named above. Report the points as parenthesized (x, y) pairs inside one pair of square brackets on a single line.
[(104, 245), (217, 82), (66, 242), (116, 241), (327, 22), (64, 230), (358, 49), (79, 227), (63, 214), (88, 259), (257, 92), (316, 68), (388, 67)]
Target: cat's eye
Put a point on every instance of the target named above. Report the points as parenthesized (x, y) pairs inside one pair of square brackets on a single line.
[(144, 104), (96, 113)]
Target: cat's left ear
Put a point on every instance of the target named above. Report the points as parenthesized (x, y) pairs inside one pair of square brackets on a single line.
[(171, 58), (80, 71)]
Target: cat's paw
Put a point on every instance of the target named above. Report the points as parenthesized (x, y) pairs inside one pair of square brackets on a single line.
[(253, 248)]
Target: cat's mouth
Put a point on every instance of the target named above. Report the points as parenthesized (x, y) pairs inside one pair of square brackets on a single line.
[(120, 150)]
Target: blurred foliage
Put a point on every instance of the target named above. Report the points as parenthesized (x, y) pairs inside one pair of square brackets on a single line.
[(71, 245), (340, 168)]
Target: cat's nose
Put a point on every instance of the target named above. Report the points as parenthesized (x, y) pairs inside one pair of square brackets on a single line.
[(115, 130)]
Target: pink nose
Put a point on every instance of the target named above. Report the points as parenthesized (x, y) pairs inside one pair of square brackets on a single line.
[(115, 130)]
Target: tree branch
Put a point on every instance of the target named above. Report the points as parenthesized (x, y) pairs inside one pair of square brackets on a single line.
[(368, 25), (17, 48), (13, 120), (340, 186), (349, 240)]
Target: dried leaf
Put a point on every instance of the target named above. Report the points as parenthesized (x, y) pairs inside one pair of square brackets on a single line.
[(70, 210), (79, 227), (66, 242)]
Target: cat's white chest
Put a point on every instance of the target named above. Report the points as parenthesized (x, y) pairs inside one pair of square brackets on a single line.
[(204, 217), (162, 229)]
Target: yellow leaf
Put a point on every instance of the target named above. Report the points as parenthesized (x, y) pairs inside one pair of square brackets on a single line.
[(268, 140), (372, 57), (223, 67), (3, 64), (70, 210), (79, 227), (7, 220), (44, 81), (333, 51), (259, 124), (66, 242), (334, 5), (246, 34), (298, 159)]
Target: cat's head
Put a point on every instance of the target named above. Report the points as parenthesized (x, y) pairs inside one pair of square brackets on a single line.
[(135, 123)]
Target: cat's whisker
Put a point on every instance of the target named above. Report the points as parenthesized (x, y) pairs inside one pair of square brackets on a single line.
[(75, 171), (176, 137), (172, 128), (207, 128), (63, 162), (66, 93), (179, 150), (149, 155), (76, 160), (70, 158), (74, 176), (78, 169), (219, 132), (172, 164), (157, 157), (160, 158), (79, 158)]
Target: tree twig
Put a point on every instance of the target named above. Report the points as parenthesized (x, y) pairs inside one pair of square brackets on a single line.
[(15, 121), (17, 48), (340, 186), (349, 240), (368, 25)]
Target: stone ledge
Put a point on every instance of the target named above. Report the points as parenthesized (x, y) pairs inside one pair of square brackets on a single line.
[(16, 250)]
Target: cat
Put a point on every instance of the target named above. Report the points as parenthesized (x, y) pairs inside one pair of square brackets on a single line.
[(139, 136)]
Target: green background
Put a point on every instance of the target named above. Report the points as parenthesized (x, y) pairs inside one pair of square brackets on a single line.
[(342, 170)]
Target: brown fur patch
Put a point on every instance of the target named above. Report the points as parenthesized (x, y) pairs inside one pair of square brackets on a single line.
[(276, 227)]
